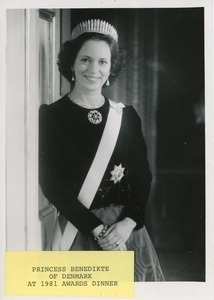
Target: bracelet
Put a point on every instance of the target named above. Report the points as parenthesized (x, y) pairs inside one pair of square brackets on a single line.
[(105, 227)]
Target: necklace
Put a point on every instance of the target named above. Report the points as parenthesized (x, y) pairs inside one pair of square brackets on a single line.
[(85, 105), (94, 116)]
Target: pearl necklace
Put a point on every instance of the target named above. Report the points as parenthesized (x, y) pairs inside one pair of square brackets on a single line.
[(85, 105), (94, 116)]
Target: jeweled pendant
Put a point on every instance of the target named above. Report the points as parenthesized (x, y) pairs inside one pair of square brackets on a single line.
[(95, 117)]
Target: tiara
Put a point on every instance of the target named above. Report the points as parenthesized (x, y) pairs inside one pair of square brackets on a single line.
[(98, 26)]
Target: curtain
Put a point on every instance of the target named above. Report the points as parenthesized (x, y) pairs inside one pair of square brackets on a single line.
[(138, 85)]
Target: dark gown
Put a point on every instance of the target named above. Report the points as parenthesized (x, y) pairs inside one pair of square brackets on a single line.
[(68, 144)]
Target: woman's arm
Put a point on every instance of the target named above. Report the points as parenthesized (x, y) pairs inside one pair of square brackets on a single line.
[(56, 188), (139, 180), (140, 176)]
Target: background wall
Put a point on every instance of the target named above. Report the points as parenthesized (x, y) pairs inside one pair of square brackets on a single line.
[(32, 40), (179, 201)]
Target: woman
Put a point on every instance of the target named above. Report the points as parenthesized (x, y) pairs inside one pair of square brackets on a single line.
[(93, 161)]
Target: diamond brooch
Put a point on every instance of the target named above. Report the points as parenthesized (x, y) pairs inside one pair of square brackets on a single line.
[(95, 117)]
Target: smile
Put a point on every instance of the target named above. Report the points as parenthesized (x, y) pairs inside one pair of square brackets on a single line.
[(92, 79)]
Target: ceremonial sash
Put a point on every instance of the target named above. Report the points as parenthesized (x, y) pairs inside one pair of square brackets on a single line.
[(95, 174)]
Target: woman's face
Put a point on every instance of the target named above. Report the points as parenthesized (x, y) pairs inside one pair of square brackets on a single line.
[(92, 65)]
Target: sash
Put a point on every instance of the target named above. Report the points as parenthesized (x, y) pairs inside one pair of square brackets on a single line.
[(94, 175)]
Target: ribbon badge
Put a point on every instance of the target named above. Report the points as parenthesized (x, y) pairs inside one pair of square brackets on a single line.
[(117, 174)]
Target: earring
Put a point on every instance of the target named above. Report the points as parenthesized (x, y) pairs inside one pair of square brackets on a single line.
[(107, 83), (73, 77)]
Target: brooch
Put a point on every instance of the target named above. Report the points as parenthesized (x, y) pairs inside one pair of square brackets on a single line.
[(95, 117), (117, 174)]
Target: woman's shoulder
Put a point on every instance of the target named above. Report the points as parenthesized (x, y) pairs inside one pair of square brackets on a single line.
[(131, 115), (127, 108), (129, 111), (54, 106), (131, 118)]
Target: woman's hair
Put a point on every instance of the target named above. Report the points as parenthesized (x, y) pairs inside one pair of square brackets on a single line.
[(70, 49)]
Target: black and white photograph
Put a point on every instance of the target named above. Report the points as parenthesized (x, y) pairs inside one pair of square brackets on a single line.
[(106, 138)]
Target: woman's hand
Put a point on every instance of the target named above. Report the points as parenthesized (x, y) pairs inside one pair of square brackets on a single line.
[(117, 235), (96, 231)]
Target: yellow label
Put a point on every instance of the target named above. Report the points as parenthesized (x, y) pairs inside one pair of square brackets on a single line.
[(70, 273)]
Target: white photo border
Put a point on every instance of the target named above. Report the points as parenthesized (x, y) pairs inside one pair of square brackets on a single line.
[(147, 291)]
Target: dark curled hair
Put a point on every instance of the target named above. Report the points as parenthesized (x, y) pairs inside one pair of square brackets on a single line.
[(70, 49)]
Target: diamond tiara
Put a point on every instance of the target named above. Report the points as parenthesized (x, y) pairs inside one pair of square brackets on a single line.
[(98, 26)]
